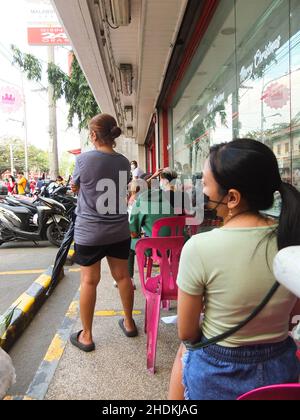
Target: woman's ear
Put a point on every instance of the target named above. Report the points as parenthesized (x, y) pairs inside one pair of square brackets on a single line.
[(234, 199)]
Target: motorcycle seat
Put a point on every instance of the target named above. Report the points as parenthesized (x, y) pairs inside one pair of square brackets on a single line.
[(18, 211), (27, 204)]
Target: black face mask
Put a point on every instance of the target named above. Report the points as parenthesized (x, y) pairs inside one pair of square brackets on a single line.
[(211, 214), (208, 200)]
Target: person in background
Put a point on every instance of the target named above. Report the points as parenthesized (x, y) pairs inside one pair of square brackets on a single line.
[(136, 171), (102, 231), (226, 274), (60, 181), (21, 183), (32, 186), (11, 185), (152, 205)]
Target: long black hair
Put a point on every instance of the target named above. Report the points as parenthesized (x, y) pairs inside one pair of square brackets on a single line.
[(251, 167)]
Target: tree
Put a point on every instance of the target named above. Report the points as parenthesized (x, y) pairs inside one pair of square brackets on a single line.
[(67, 164), (37, 158), (74, 88)]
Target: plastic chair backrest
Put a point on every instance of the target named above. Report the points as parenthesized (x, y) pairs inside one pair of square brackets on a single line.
[(169, 249), (273, 392), (175, 225)]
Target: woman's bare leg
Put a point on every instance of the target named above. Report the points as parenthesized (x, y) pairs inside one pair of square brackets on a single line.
[(120, 273), (176, 389), (90, 278)]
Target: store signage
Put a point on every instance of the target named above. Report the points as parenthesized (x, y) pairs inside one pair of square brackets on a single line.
[(259, 58), (10, 100), (276, 96), (43, 27), (216, 102), (47, 36)]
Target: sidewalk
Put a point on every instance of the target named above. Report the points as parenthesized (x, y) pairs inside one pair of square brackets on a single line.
[(117, 369)]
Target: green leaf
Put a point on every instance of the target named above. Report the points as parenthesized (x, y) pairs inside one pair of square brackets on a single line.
[(5, 320)]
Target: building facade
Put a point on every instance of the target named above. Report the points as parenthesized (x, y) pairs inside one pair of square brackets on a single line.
[(239, 77)]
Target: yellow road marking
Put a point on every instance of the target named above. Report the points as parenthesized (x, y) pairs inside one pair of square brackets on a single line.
[(24, 272), (55, 350), (73, 309), (115, 313), (19, 272)]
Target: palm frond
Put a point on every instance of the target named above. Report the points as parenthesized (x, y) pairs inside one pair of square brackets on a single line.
[(5, 320)]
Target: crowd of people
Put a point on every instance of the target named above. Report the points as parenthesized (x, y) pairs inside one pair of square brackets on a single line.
[(23, 186), (224, 274)]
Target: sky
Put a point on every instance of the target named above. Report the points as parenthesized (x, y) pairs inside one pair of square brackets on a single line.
[(13, 30)]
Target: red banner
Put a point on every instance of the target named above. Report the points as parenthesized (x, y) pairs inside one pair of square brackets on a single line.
[(47, 36)]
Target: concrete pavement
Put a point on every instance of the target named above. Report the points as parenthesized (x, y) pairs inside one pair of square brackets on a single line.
[(117, 369)]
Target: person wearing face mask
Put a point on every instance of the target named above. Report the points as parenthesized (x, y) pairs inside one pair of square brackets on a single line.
[(136, 171), (159, 201), (101, 230), (243, 342)]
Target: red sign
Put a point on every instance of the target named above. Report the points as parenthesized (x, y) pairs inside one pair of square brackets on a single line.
[(75, 152), (47, 36), (276, 96)]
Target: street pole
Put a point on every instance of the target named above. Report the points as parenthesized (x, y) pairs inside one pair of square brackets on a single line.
[(25, 129), (12, 169), (53, 150)]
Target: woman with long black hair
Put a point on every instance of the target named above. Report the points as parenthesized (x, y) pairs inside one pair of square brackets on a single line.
[(227, 273)]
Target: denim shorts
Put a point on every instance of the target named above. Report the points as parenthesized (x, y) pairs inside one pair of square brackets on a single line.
[(225, 373)]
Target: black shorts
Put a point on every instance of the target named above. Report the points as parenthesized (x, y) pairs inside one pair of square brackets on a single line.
[(89, 255)]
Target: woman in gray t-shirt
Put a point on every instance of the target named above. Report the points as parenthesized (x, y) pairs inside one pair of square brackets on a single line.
[(101, 230)]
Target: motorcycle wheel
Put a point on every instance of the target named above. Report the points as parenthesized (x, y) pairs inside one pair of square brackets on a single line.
[(55, 234)]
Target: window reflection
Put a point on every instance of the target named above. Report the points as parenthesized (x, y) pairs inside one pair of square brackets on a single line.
[(243, 82)]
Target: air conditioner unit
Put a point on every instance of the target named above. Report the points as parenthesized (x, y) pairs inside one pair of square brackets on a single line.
[(128, 113), (130, 131), (120, 12), (126, 77)]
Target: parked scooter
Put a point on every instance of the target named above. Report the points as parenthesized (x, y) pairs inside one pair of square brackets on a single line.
[(48, 223), (58, 195)]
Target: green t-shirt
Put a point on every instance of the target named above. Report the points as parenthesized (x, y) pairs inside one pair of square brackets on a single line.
[(229, 268)]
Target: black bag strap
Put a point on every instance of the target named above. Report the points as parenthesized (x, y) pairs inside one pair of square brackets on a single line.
[(233, 330)]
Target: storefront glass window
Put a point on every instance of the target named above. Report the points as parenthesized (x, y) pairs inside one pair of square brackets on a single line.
[(203, 109), (243, 82), (295, 98)]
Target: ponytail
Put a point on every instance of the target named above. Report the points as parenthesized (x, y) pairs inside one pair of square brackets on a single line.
[(289, 222)]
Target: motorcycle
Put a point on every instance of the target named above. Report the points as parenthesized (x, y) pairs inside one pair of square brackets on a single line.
[(46, 221), (59, 194)]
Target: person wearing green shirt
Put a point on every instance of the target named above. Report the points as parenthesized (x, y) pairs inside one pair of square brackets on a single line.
[(151, 205)]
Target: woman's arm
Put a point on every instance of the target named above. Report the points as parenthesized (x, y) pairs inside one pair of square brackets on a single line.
[(189, 311), (295, 312)]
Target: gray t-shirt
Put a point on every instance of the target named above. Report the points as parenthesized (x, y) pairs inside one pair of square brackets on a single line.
[(101, 211)]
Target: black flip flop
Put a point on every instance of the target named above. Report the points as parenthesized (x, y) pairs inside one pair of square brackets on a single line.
[(84, 347), (133, 333)]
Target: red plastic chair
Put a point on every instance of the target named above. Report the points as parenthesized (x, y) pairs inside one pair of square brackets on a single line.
[(176, 225), (160, 287), (287, 392)]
